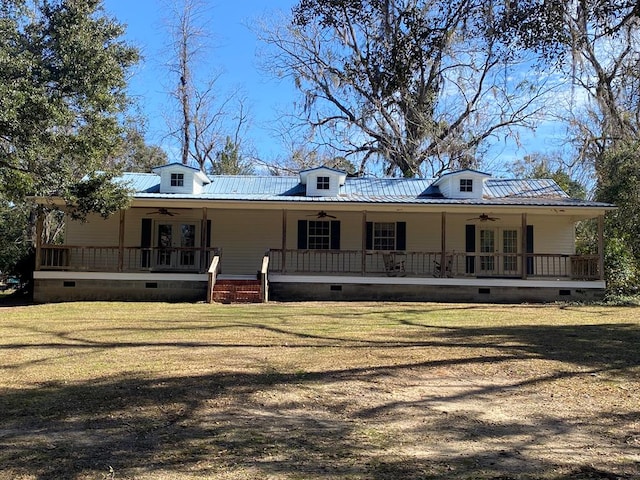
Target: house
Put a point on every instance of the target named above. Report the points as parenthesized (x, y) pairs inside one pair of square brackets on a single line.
[(323, 235)]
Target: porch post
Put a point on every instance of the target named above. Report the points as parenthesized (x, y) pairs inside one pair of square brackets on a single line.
[(364, 243), (523, 246), (284, 240), (443, 244), (39, 226), (121, 242), (601, 246), (203, 241)]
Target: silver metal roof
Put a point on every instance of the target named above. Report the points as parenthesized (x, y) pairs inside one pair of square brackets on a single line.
[(418, 191)]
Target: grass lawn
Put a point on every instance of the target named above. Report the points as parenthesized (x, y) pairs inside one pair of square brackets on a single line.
[(319, 391)]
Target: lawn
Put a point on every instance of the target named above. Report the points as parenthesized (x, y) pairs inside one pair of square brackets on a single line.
[(319, 391)]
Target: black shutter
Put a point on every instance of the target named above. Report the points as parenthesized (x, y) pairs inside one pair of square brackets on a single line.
[(470, 247), (208, 255), (145, 243), (335, 235), (401, 236), (302, 235), (369, 238), (529, 249), (470, 235)]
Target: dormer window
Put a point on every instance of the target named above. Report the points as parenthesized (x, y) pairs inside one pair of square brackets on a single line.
[(177, 179), (466, 185), (323, 183)]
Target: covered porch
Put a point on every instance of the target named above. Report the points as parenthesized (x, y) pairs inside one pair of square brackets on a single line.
[(437, 254), (430, 264)]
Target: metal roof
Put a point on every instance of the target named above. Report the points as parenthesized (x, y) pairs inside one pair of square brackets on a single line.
[(530, 188), (418, 191)]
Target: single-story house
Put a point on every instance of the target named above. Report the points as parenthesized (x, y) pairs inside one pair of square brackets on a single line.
[(323, 235)]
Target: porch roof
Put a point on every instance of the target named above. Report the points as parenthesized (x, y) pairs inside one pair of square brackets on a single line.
[(515, 192)]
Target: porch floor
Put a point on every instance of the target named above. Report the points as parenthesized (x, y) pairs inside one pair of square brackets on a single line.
[(531, 282)]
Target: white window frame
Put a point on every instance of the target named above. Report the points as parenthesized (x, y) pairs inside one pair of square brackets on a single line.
[(466, 185), (177, 179), (319, 235), (385, 235), (323, 183)]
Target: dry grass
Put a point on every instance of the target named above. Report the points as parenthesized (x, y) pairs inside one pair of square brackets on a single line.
[(312, 390)]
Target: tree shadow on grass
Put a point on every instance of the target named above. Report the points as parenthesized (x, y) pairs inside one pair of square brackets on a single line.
[(226, 424), (601, 346), (243, 424)]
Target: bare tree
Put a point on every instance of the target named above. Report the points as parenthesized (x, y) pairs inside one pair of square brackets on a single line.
[(418, 85), (204, 114)]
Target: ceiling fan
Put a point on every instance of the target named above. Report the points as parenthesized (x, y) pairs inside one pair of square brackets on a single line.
[(483, 217), (321, 214), (163, 211)]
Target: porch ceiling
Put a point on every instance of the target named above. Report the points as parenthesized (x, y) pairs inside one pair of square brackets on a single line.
[(576, 210)]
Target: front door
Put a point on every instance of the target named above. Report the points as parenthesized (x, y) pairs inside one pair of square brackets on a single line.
[(498, 251), (176, 245)]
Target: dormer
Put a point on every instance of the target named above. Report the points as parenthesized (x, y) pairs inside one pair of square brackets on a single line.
[(322, 181), (462, 184), (179, 178)]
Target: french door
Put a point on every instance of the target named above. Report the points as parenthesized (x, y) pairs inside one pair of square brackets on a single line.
[(498, 249), (176, 243)]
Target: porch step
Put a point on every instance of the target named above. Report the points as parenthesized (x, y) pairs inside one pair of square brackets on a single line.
[(237, 291)]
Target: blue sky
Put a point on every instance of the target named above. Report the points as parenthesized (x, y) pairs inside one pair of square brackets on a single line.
[(233, 52)]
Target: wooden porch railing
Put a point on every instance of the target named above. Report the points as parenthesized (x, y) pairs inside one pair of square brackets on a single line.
[(428, 264), (127, 259), (333, 262)]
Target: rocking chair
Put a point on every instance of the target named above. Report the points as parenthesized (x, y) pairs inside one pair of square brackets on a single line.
[(392, 266)]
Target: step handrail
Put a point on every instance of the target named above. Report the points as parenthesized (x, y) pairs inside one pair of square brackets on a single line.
[(264, 282), (212, 275)]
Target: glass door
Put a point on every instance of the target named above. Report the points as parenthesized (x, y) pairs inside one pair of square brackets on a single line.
[(187, 245), (510, 252), (165, 244), (487, 250), (499, 251), (176, 245)]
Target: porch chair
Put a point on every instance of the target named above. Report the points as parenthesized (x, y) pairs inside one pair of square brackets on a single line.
[(437, 270), (392, 266)]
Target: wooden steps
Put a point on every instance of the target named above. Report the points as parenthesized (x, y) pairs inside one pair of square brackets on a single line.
[(237, 291)]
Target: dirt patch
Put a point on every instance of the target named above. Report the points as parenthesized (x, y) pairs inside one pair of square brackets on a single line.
[(386, 398)]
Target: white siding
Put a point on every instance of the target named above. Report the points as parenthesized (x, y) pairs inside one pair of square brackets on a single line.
[(244, 236), (95, 232), (553, 234), (312, 184), (189, 180), (450, 185)]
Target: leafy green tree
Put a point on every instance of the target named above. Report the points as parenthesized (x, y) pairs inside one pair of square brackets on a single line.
[(619, 183), (63, 70), (548, 27), (13, 241), (229, 160), (547, 166), (135, 155)]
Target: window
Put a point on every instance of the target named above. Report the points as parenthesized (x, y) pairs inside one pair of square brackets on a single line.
[(466, 185), (319, 235), (323, 183), (177, 179), (386, 236)]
